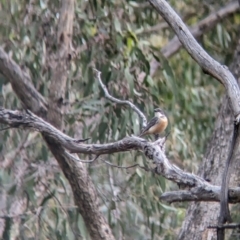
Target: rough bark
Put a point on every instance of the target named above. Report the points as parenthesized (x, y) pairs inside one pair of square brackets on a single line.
[(198, 189), (205, 61), (84, 192), (201, 215), (223, 131), (60, 66), (22, 85), (197, 31), (201, 27), (83, 189)]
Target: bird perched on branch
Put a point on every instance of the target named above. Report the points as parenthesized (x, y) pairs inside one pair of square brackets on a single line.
[(157, 124)]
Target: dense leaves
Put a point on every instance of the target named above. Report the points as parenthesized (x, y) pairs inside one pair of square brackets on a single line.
[(120, 39)]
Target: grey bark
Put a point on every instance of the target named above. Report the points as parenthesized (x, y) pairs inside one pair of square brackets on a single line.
[(84, 192), (201, 215)]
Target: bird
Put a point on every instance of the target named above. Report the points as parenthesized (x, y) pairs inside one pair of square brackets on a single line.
[(157, 124)]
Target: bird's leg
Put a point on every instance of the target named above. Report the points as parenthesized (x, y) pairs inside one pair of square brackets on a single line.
[(166, 136), (156, 136)]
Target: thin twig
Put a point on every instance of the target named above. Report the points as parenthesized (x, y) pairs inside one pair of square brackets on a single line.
[(10, 156), (132, 166), (89, 161), (125, 102), (76, 159), (115, 198), (6, 128), (226, 226), (61, 207)]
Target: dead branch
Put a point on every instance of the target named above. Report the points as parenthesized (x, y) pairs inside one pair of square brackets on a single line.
[(207, 63), (226, 226), (198, 194), (197, 31), (22, 85), (201, 190), (84, 192), (201, 27), (118, 101)]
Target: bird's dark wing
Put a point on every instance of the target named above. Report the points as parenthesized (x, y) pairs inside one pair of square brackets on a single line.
[(151, 123)]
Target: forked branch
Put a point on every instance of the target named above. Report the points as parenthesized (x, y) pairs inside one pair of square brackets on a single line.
[(152, 150), (118, 101), (207, 63)]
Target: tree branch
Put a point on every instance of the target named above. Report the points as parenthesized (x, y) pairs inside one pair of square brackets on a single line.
[(22, 85), (197, 31), (207, 63), (201, 27), (84, 192), (118, 101), (197, 194), (201, 190), (17, 119)]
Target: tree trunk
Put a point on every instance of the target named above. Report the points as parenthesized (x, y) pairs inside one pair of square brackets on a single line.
[(200, 215)]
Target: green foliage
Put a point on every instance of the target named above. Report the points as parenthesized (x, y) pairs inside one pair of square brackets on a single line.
[(111, 36)]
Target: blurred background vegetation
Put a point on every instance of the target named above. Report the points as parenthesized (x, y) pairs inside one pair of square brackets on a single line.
[(120, 38)]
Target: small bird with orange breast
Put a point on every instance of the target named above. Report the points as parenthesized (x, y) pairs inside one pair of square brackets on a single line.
[(157, 124)]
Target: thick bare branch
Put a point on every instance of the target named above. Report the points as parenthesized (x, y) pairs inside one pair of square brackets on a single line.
[(153, 150), (200, 194), (200, 188), (197, 31), (22, 85), (17, 119), (201, 27), (207, 63)]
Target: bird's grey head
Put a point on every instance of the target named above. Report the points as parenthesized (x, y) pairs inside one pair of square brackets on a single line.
[(159, 112)]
